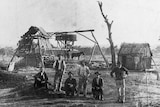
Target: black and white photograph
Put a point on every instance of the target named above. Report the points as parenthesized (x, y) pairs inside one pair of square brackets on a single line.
[(79, 53)]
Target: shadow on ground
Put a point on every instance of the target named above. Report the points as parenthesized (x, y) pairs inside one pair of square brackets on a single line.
[(17, 91)]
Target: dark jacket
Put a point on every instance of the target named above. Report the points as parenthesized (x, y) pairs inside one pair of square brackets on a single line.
[(42, 77), (119, 72), (70, 82), (97, 85), (57, 64)]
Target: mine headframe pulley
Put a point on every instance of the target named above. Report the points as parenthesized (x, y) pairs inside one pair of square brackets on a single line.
[(79, 32), (67, 39)]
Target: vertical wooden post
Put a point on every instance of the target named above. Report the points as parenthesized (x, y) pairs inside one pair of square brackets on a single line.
[(59, 44), (99, 48), (65, 43), (26, 61), (92, 53), (42, 62)]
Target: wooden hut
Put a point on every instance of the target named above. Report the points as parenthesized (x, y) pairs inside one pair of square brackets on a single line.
[(135, 56)]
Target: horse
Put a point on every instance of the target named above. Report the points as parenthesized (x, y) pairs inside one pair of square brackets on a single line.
[(78, 54)]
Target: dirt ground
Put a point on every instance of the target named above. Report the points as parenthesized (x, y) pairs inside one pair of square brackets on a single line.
[(16, 90)]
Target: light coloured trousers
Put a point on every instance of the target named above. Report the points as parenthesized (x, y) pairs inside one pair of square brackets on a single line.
[(82, 84), (121, 89), (58, 80)]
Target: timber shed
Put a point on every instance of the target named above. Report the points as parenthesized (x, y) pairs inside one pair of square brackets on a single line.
[(135, 56)]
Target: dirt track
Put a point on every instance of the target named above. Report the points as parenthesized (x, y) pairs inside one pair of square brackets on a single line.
[(16, 90)]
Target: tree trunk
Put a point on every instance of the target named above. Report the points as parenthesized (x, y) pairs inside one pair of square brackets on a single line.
[(109, 35), (113, 55)]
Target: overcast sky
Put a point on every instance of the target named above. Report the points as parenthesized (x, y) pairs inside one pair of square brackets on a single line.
[(135, 21)]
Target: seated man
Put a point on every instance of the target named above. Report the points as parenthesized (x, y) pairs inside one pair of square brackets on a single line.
[(97, 85), (41, 79), (70, 85)]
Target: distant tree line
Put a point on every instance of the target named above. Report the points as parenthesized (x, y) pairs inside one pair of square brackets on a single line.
[(88, 50), (156, 50), (6, 51)]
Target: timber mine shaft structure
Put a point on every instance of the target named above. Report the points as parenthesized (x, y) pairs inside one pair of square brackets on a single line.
[(79, 32), (39, 33)]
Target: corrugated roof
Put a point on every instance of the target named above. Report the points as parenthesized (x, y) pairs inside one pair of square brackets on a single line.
[(135, 48)]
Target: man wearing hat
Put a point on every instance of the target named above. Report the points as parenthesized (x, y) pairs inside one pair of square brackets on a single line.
[(70, 85), (59, 66), (41, 79), (97, 85), (83, 74), (120, 75)]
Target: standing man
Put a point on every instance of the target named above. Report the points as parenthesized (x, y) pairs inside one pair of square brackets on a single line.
[(97, 87), (83, 74), (120, 75), (59, 66), (70, 85), (43, 50)]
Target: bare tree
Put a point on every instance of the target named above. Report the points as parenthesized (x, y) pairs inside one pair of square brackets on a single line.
[(109, 25)]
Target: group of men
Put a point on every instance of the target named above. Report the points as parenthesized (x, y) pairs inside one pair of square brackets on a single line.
[(72, 87)]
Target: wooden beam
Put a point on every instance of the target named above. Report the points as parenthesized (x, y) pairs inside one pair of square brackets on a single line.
[(90, 30), (86, 37)]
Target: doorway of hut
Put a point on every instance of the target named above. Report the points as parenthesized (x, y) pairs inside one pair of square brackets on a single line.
[(124, 60)]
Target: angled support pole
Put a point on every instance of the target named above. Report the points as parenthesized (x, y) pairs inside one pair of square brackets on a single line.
[(12, 58), (100, 49), (58, 44), (86, 37), (94, 47)]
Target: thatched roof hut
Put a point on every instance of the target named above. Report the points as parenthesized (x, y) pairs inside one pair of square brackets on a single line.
[(135, 56), (34, 43)]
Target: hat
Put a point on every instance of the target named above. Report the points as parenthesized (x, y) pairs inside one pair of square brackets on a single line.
[(97, 73), (119, 62), (41, 68), (70, 73), (83, 61)]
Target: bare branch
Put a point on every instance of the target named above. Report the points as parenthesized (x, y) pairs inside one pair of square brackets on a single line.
[(106, 17), (109, 25), (111, 22), (109, 40), (100, 6), (115, 46)]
